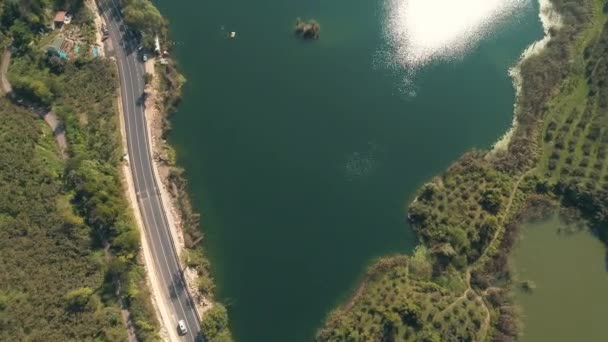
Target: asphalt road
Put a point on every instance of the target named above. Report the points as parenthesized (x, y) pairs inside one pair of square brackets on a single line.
[(131, 72)]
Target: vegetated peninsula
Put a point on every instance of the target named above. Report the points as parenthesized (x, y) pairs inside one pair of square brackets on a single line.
[(456, 285)]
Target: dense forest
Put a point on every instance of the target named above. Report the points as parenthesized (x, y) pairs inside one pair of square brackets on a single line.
[(52, 269), (70, 248), (456, 286)]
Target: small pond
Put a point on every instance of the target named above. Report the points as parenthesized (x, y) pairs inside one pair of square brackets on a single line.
[(568, 268)]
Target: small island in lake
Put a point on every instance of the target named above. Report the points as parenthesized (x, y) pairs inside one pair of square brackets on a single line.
[(307, 30)]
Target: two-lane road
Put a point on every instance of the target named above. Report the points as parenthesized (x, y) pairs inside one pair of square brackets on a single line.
[(168, 271)]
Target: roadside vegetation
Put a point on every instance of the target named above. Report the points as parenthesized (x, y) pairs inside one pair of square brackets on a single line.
[(215, 320), (88, 193), (215, 324), (142, 16), (468, 217)]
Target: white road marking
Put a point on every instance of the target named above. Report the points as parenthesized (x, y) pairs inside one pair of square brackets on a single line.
[(125, 44)]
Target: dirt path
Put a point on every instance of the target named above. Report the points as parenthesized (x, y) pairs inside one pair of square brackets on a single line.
[(58, 131), (127, 321), (483, 330), (353, 300), (49, 117), (6, 59), (125, 314), (501, 225)]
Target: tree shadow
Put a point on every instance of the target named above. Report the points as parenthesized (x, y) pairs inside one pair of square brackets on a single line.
[(126, 36), (141, 99)]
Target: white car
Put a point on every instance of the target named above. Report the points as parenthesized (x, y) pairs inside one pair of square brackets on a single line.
[(181, 327), (144, 57)]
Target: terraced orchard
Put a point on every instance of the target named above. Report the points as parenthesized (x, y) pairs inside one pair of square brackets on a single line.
[(400, 302), (459, 213), (576, 133)]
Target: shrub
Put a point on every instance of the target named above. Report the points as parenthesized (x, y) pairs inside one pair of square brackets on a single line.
[(215, 324), (491, 200), (77, 299)]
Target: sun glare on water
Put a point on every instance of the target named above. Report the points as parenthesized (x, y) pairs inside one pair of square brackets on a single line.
[(421, 31)]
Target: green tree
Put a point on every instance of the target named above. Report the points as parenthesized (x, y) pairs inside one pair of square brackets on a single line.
[(428, 335), (215, 324), (10, 13), (77, 299), (56, 64), (205, 284), (127, 242), (35, 89), (21, 34), (143, 16), (148, 78), (491, 200)]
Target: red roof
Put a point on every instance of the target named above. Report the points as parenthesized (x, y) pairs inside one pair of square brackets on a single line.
[(59, 16)]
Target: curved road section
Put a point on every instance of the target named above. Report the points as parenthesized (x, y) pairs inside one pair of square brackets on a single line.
[(169, 272)]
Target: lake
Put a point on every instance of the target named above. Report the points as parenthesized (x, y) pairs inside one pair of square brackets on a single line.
[(302, 156)]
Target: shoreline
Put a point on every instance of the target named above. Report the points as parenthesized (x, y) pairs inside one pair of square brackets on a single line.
[(155, 116), (164, 94), (469, 224), (550, 19), (163, 89)]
